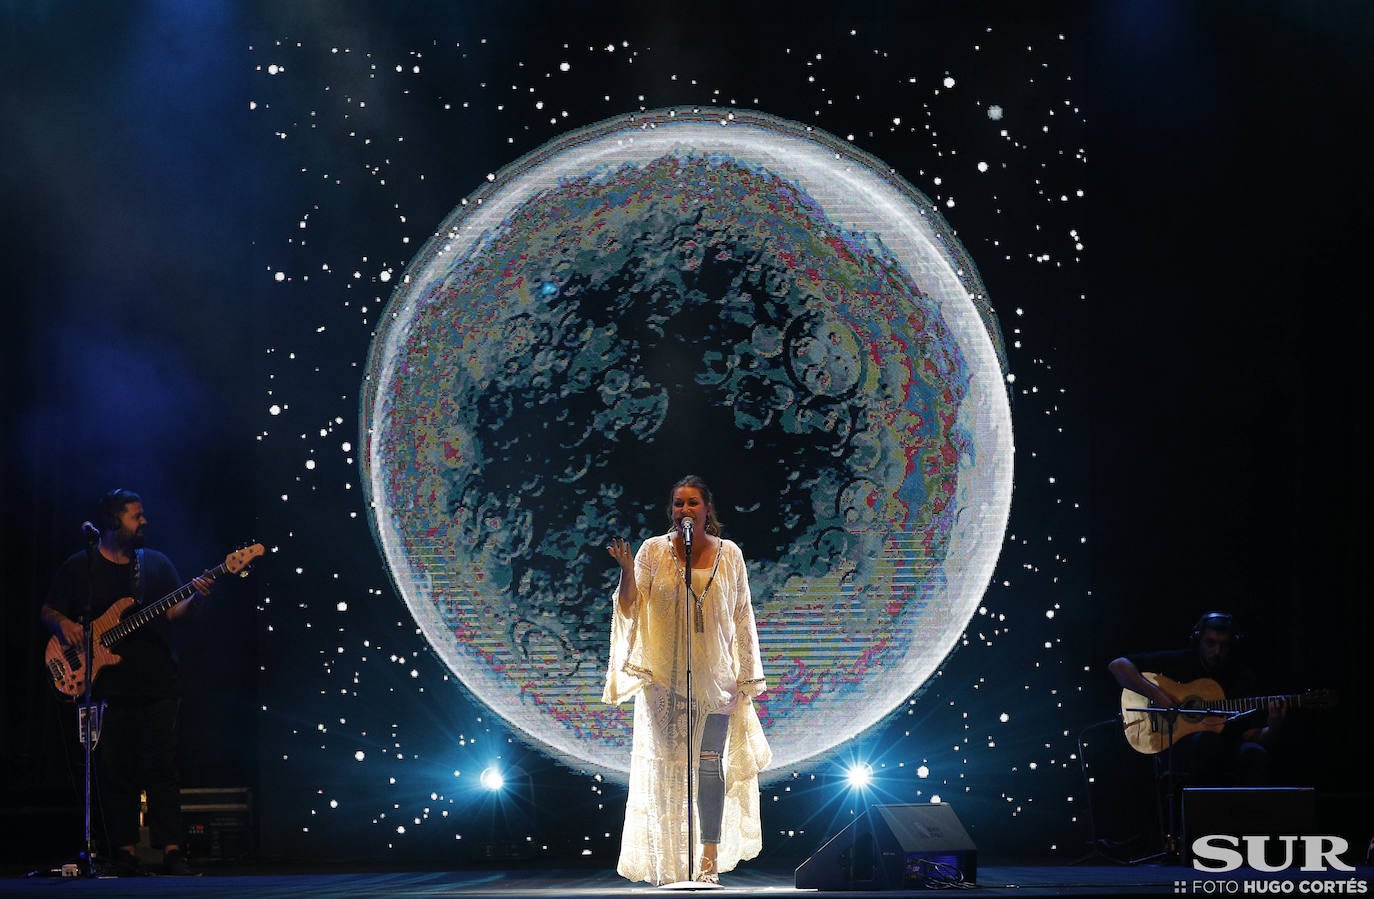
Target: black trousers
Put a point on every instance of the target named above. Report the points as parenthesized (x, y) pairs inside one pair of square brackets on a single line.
[(138, 750), (1208, 758)]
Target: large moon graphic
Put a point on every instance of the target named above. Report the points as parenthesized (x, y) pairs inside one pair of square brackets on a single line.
[(714, 292)]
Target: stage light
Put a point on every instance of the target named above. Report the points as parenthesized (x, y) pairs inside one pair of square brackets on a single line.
[(491, 778), (859, 776)]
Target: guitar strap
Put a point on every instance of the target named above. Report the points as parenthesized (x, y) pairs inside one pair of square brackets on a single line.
[(136, 575)]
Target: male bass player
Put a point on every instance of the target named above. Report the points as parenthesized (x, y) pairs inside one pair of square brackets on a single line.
[(1234, 754), (138, 736)]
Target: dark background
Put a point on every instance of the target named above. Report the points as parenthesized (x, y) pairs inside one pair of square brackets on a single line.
[(1194, 386)]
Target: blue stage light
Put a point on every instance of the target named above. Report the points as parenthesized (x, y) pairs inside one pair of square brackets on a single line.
[(859, 776), (491, 778)]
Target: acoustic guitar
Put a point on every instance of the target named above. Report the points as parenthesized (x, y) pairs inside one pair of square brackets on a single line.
[(64, 659), (1148, 732)]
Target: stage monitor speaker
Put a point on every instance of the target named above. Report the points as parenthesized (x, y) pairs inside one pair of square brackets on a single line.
[(1246, 811), (894, 847), (218, 822)]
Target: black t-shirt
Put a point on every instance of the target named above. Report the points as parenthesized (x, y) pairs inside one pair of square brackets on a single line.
[(147, 665)]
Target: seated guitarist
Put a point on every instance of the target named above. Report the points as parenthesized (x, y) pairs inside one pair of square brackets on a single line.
[(1237, 754), (137, 746)]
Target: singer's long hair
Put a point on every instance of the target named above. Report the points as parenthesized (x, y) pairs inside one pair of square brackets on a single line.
[(712, 522)]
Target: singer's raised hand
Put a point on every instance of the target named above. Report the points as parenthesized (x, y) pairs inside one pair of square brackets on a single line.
[(624, 556), (627, 592)]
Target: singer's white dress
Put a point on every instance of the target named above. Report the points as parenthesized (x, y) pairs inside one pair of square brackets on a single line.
[(647, 663)]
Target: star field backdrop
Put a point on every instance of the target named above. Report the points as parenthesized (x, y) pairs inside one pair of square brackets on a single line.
[(205, 206)]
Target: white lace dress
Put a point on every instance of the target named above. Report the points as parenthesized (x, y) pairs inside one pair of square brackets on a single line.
[(647, 663)]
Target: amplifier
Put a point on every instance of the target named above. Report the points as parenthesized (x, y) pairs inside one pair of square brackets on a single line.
[(218, 822)]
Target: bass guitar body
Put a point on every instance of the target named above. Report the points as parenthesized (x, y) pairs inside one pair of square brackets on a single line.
[(64, 660)]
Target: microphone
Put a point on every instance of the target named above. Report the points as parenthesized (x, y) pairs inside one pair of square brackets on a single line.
[(91, 531), (686, 525)]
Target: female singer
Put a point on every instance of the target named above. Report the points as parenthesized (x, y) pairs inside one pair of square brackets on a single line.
[(647, 662)]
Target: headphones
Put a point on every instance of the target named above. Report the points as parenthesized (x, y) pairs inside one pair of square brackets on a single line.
[(1216, 621), (112, 507)]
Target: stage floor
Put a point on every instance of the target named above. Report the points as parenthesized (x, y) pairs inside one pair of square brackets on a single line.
[(752, 880)]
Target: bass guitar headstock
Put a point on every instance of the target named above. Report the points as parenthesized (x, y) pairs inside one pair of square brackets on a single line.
[(238, 562)]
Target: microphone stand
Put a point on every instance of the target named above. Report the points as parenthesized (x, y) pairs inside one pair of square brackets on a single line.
[(687, 618), (691, 699), (87, 713), (1170, 849), (1097, 843)]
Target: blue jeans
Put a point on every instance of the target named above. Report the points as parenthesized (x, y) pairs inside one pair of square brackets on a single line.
[(711, 777)]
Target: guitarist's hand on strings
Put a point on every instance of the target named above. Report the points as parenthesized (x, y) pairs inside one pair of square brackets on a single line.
[(1162, 700), (70, 632), (1130, 678), (67, 631)]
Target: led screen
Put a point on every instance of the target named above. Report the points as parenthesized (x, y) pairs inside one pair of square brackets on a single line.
[(716, 292)]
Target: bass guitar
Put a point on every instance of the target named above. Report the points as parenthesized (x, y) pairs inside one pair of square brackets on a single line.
[(64, 659), (1148, 732)]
